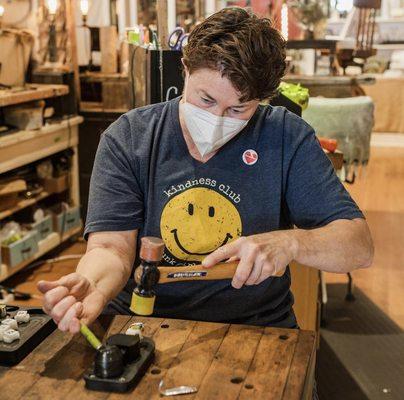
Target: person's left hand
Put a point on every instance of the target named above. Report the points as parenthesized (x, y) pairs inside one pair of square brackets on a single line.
[(261, 256)]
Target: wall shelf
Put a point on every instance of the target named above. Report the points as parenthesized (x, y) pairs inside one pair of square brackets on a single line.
[(24, 147), (31, 92), (24, 203)]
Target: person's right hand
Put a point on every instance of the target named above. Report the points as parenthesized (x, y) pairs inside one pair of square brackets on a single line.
[(71, 299)]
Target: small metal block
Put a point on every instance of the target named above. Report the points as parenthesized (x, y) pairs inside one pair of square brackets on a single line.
[(10, 335), (10, 323), (3, 328), (22, 316), (135, 329)]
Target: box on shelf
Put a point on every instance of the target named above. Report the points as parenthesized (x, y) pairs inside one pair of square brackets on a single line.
[(65, 220), (55, 185), (43, 227), (28, 116), (21, 250)]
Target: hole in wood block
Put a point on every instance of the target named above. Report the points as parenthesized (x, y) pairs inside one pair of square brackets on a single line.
[(249, 386), (283, 337), (165, 326), (236, 380), (155, 371)]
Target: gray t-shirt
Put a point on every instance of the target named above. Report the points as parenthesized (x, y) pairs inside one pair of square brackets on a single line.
[(271, 176)]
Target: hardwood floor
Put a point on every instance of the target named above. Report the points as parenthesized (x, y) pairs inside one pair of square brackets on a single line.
[(380, 194)]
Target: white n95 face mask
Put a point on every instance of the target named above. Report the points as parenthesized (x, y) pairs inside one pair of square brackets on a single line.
[(209, 131)]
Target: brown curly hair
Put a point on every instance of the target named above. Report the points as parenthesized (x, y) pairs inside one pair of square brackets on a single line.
[(248, 51)]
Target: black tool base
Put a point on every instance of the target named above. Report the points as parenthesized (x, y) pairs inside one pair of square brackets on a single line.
[(131, 375), (32, 333)]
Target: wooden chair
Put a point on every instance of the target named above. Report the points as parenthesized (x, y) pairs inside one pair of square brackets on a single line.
[(366, 21)]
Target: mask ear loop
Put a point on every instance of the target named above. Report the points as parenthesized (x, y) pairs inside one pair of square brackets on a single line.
[(184, 96)]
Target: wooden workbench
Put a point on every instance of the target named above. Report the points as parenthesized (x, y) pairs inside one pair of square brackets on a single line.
[(223, 361)]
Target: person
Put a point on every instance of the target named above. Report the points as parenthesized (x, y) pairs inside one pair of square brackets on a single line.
[(217, 176)]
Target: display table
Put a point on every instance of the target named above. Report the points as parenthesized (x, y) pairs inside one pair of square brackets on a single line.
[(388, 96), (332, 86), (223, 361)]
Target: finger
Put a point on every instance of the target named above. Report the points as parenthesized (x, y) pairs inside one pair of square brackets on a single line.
[(53, 296), (74, 326), (222, 253), (45, 286), (280, 272), (71, 280), (61, 308), (80, 288), (77, 284), (255, 273), (268, 271), (243, 271), (73, 312), (68, 281)]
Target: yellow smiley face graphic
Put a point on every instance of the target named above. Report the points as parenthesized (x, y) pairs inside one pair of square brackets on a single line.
[(198, 221)]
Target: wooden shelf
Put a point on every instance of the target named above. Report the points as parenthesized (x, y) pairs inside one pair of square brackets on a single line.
[(23, 204), (97, 107), (52, 241), (101, 77), (23, 147), (31, 92)]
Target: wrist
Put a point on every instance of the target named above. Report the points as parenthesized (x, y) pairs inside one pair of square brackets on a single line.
[(95, 287), (295, 242), (103, 298)]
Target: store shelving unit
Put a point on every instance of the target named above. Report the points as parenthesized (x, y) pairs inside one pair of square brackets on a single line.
[(24, 147)]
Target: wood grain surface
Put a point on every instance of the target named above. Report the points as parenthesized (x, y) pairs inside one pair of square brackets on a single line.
[(223, 361), (33, 91)]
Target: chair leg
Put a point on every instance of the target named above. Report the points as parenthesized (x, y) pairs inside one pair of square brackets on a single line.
[(350, 296)]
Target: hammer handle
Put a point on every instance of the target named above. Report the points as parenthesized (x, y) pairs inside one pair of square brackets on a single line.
[(197, 272)]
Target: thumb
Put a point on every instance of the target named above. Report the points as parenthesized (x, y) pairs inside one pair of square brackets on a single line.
[(44, 286)]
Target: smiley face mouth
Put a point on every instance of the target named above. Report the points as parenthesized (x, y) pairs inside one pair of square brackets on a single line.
[(175, 234)]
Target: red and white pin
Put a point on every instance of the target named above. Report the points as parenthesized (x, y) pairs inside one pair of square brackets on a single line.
[(250, 157)]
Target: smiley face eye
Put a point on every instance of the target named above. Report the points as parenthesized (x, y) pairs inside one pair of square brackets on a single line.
[(190, 209), (211, 211)]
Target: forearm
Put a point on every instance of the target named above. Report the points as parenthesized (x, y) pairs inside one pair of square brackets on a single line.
[(341, 246), (108, 261), (106, 270)]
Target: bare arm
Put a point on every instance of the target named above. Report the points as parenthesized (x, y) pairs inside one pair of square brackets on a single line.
[(341, 246)]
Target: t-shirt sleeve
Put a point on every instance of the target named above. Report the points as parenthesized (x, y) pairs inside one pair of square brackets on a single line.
[(314, 195), (115, 197)]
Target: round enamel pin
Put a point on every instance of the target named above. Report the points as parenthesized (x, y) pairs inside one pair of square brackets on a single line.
[(250, 157)]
